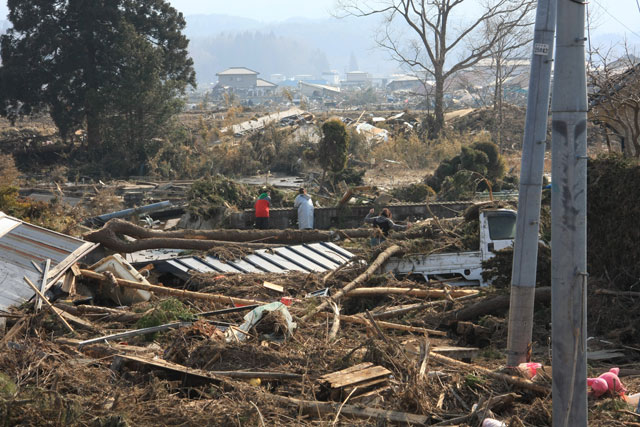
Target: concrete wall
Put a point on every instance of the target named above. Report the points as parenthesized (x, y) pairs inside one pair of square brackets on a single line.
[(350, 216)]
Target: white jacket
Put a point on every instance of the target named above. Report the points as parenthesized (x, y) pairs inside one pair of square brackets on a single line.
[(305, 211)]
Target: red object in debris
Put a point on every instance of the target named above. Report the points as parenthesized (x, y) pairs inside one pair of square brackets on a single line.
[(608, 381), (286, 301)]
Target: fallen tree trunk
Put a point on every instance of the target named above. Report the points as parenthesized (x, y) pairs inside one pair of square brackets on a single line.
[(119, 226), (414, 292), (490, 306), (207, 239), (379, 262), (161, 290), (109, 239)]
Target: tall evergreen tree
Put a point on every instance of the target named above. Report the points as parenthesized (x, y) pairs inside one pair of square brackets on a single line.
[(89, 61)]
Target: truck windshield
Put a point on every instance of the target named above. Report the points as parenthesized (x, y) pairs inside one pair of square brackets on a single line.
[(502, 226)]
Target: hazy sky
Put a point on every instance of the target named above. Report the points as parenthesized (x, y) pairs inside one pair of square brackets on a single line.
[(610, 16)]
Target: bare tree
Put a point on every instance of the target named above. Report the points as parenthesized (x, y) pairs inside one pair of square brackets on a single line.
[(440, 28), (615, 98), (506, 59)]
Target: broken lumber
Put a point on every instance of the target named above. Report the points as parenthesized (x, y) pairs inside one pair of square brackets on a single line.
[(491, 306), (510, 379), (134, 333), (55, 310), (414, 292), (212, 375), (385, 325), (316, 408), (161, 290), (375, 265), (14, 331), (108, 312)]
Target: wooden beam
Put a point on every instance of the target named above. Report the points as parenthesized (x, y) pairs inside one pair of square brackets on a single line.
[(55, 310), (161, 290), (43, 284)]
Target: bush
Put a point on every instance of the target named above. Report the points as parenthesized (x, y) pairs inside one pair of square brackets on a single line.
[(207, 197), (415, 193), (483, 158), (350, 175)]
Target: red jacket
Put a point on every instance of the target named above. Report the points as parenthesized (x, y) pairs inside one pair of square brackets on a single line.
[(262, 207)]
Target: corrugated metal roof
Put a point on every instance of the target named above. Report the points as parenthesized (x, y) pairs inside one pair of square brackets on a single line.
[(314, 257), (21, 245)]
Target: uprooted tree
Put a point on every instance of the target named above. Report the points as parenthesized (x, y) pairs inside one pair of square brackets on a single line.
[(438, 31), (114, 67)]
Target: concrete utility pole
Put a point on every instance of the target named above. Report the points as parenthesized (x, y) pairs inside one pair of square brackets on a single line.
[(525, 252), (569, 219)]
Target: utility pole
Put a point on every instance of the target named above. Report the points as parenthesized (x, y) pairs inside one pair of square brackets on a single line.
[(525, 252), (569, 219)]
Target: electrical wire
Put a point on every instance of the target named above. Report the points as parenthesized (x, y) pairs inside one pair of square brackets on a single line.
[(617, 20)]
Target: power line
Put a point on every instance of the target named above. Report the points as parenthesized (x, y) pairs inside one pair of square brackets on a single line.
[(617, 20)]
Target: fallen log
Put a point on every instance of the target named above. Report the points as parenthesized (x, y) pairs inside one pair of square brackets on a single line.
[(281, 237), (161, 290), (490, 306), (110, 240), (207, 239), (414, 292), (375, 265)]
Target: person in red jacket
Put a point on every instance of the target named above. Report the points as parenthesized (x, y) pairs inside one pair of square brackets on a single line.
[(262, 210)]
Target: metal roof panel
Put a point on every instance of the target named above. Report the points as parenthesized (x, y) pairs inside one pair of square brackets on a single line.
[(23, 243)]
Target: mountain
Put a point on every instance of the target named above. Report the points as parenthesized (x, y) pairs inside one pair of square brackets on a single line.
[(294, 46)]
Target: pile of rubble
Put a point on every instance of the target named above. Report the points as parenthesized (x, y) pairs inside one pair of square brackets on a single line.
[(290, 330)]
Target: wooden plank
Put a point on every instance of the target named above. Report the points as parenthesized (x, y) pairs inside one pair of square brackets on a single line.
[(360, 376), (364, 385), (273, 286), (78, 321), (55, 310), (14, 331), (354, 368), (314, 408), (43, 284)]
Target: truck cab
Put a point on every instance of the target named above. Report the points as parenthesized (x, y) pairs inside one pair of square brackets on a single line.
[(497, 231)]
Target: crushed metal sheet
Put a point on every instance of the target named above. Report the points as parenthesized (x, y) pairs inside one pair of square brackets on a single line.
[(314, 257), (20, 244)]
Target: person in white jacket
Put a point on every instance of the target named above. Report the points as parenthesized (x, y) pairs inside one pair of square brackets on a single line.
[(304, 204)]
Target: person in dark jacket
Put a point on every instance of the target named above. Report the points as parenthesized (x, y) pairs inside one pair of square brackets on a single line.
[(384, 223), (262, 210)]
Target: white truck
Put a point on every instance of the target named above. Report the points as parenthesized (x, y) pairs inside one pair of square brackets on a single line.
[(497, 231)]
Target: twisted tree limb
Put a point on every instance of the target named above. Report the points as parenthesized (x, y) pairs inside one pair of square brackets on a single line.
[(207, 239)]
